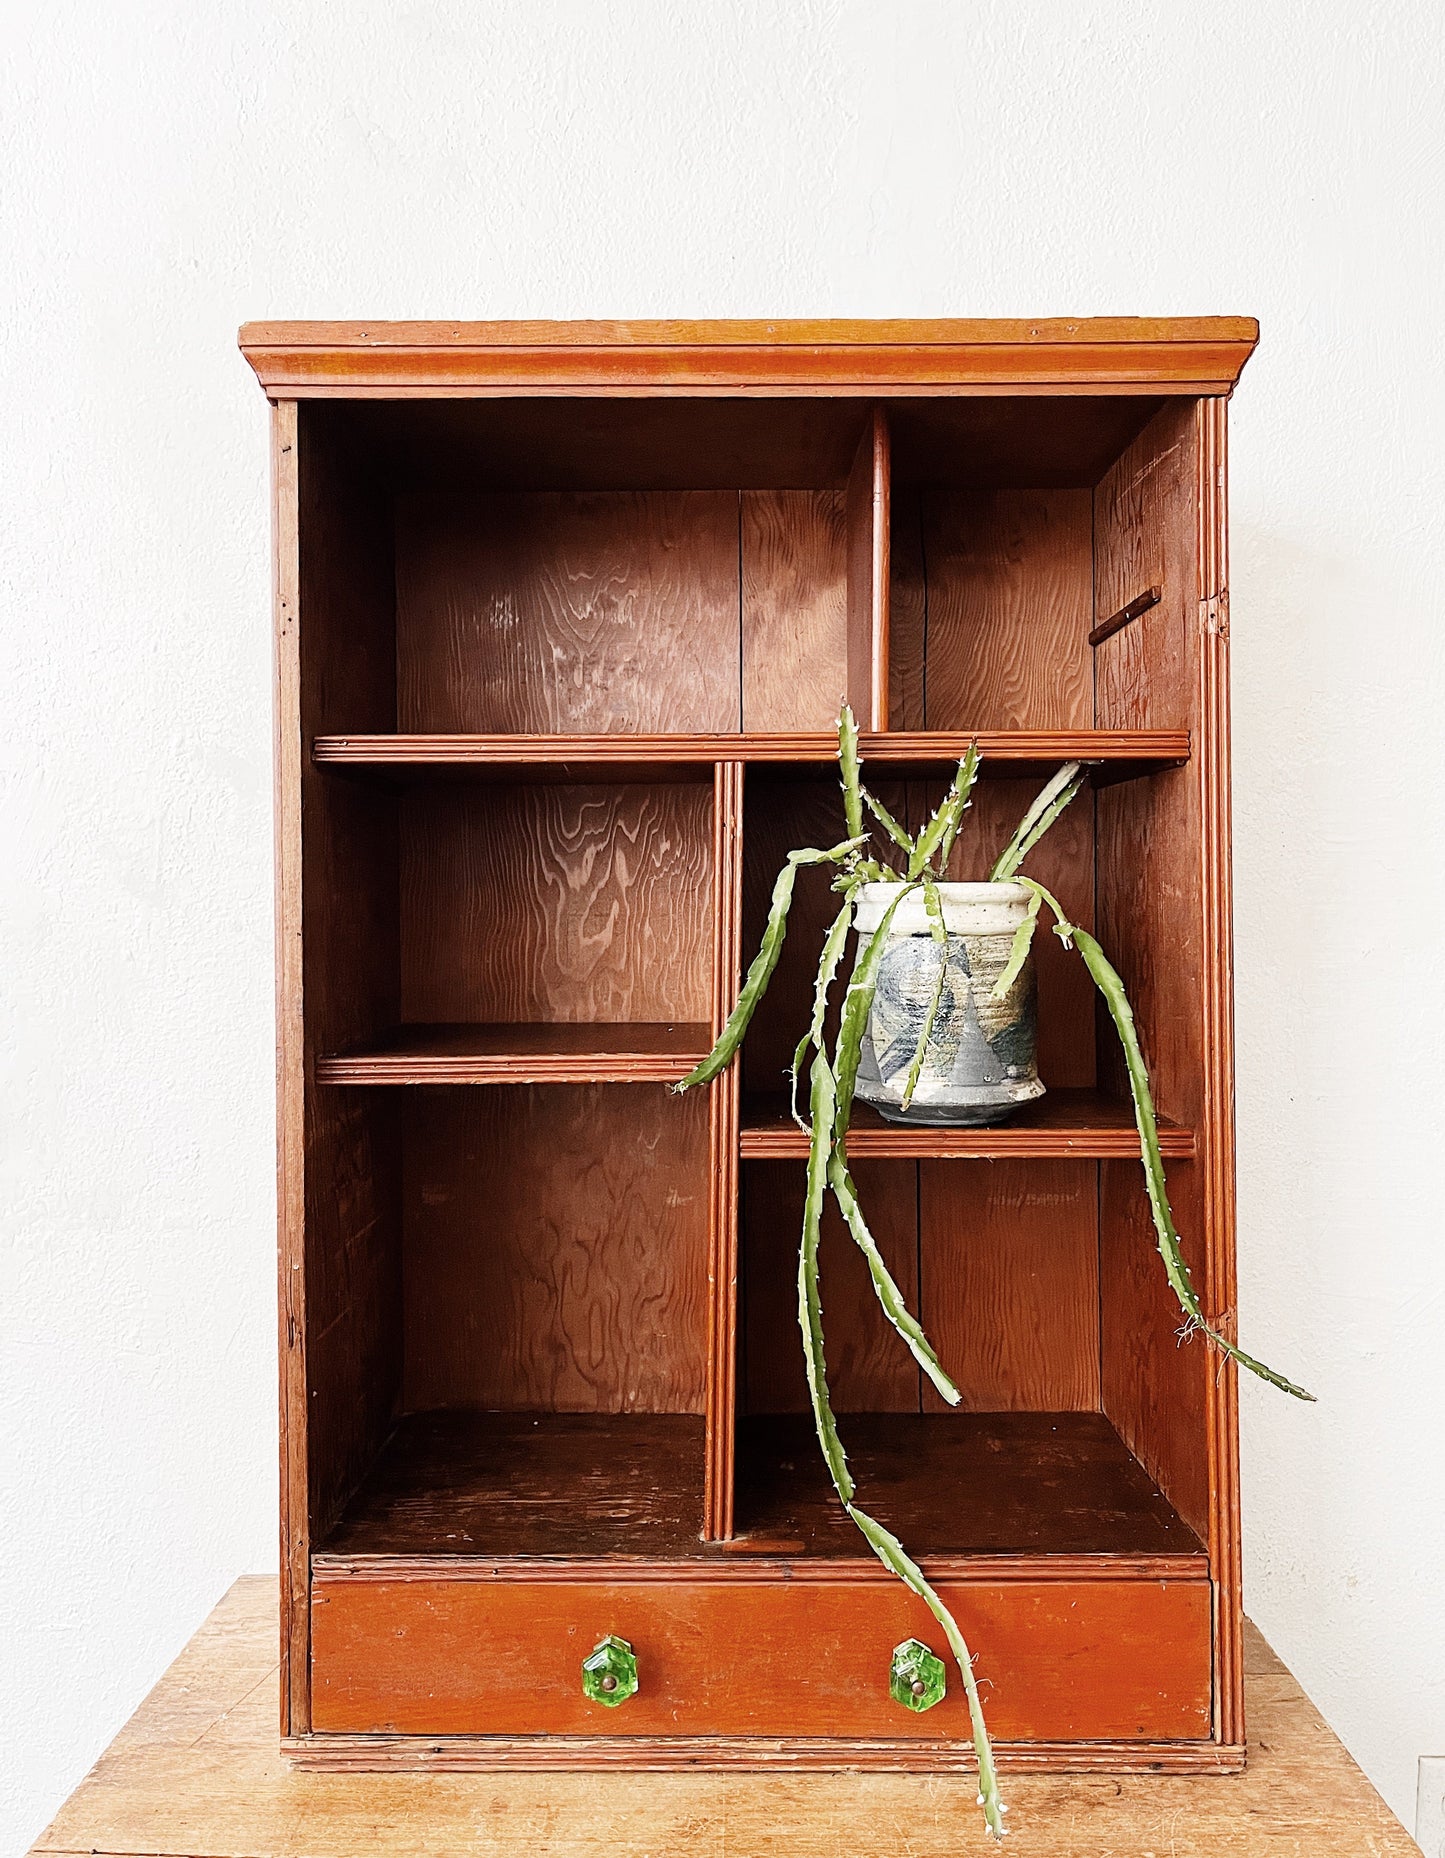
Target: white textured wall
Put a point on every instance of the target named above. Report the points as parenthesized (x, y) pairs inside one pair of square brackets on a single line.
[(168, 169)]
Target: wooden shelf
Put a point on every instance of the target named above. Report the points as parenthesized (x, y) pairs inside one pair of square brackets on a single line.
[(522, 1054), (580, 1486), (1082, 1124), (1117, 754)]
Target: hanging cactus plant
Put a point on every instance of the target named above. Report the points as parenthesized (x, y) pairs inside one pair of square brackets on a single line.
[(832, 1083)]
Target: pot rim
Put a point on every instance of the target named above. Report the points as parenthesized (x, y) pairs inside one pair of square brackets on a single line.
[(981, 892)]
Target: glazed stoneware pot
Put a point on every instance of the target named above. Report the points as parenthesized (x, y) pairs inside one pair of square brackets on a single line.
[(980, 1065)]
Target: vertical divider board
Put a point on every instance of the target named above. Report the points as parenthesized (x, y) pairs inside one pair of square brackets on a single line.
[(723, 1114), (869, 496)]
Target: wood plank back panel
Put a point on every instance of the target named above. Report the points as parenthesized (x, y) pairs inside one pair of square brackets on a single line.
[(804, 1657), (1010, 585), (556, 1248), (1151, 902), (869, 1368), (548, 902), (613, 612), (795, 605), (1009, 1282)]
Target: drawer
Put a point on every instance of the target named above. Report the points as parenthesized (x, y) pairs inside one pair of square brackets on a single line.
[(499, 1652)]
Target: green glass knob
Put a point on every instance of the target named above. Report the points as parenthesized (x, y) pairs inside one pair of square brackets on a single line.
[(917, 1679), (609, 1672)]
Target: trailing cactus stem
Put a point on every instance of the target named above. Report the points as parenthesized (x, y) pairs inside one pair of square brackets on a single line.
[(810, 1301), (889, 1296), (891, 1552), (857, 1003), (848, 770), (1107, 979), (1051, 800), (833, 946), (764, 962), (963, 784), (889, 824), (1019, 951), (942, 828)]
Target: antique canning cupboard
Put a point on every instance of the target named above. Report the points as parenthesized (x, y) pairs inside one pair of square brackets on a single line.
[(563, 616)]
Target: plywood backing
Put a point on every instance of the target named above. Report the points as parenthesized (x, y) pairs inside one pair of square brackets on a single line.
[(556, 903), (556, 1248), (869, 1368), (794, 608), (612, 612), (1009, 1282), (991, 609)]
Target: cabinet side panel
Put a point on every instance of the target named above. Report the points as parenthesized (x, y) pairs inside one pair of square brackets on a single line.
[(556, 1248), (295, 1546), (609, 612), (349, 942), (1152, 904)]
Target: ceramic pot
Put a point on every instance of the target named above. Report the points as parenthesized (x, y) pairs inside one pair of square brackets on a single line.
[(980, 1065)]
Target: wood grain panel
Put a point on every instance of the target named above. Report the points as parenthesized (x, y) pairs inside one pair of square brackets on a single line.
[(907, 610), (1010, 604), (795, 608), (1154, 1387), (556, 903), (494, 1485), (1152, 912), (556, 1248), (869, 490), (612, 612), (869, 1368), (1009, 1282), (348, 937), (502, 1657)]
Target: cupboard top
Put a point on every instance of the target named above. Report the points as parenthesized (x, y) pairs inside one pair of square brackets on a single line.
[(1128, 354)]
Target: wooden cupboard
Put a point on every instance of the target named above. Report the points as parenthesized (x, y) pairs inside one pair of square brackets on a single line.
[(563, 617)]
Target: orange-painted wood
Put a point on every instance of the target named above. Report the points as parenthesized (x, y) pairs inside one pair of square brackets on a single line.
[(537, 586), (1121, 354), (742, 1655)]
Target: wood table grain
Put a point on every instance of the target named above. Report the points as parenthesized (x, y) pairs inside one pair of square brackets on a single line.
[(197, 1773)]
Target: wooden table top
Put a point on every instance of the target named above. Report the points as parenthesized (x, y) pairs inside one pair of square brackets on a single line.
[(197, 1771)]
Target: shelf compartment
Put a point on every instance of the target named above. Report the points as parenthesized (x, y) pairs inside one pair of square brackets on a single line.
[(640, 1053), (1116, 754), (1083, 1123), (590, 1485), (956, 1485), (1027, 1487)]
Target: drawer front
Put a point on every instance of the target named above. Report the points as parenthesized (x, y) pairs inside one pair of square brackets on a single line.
[(1087, 1660)]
